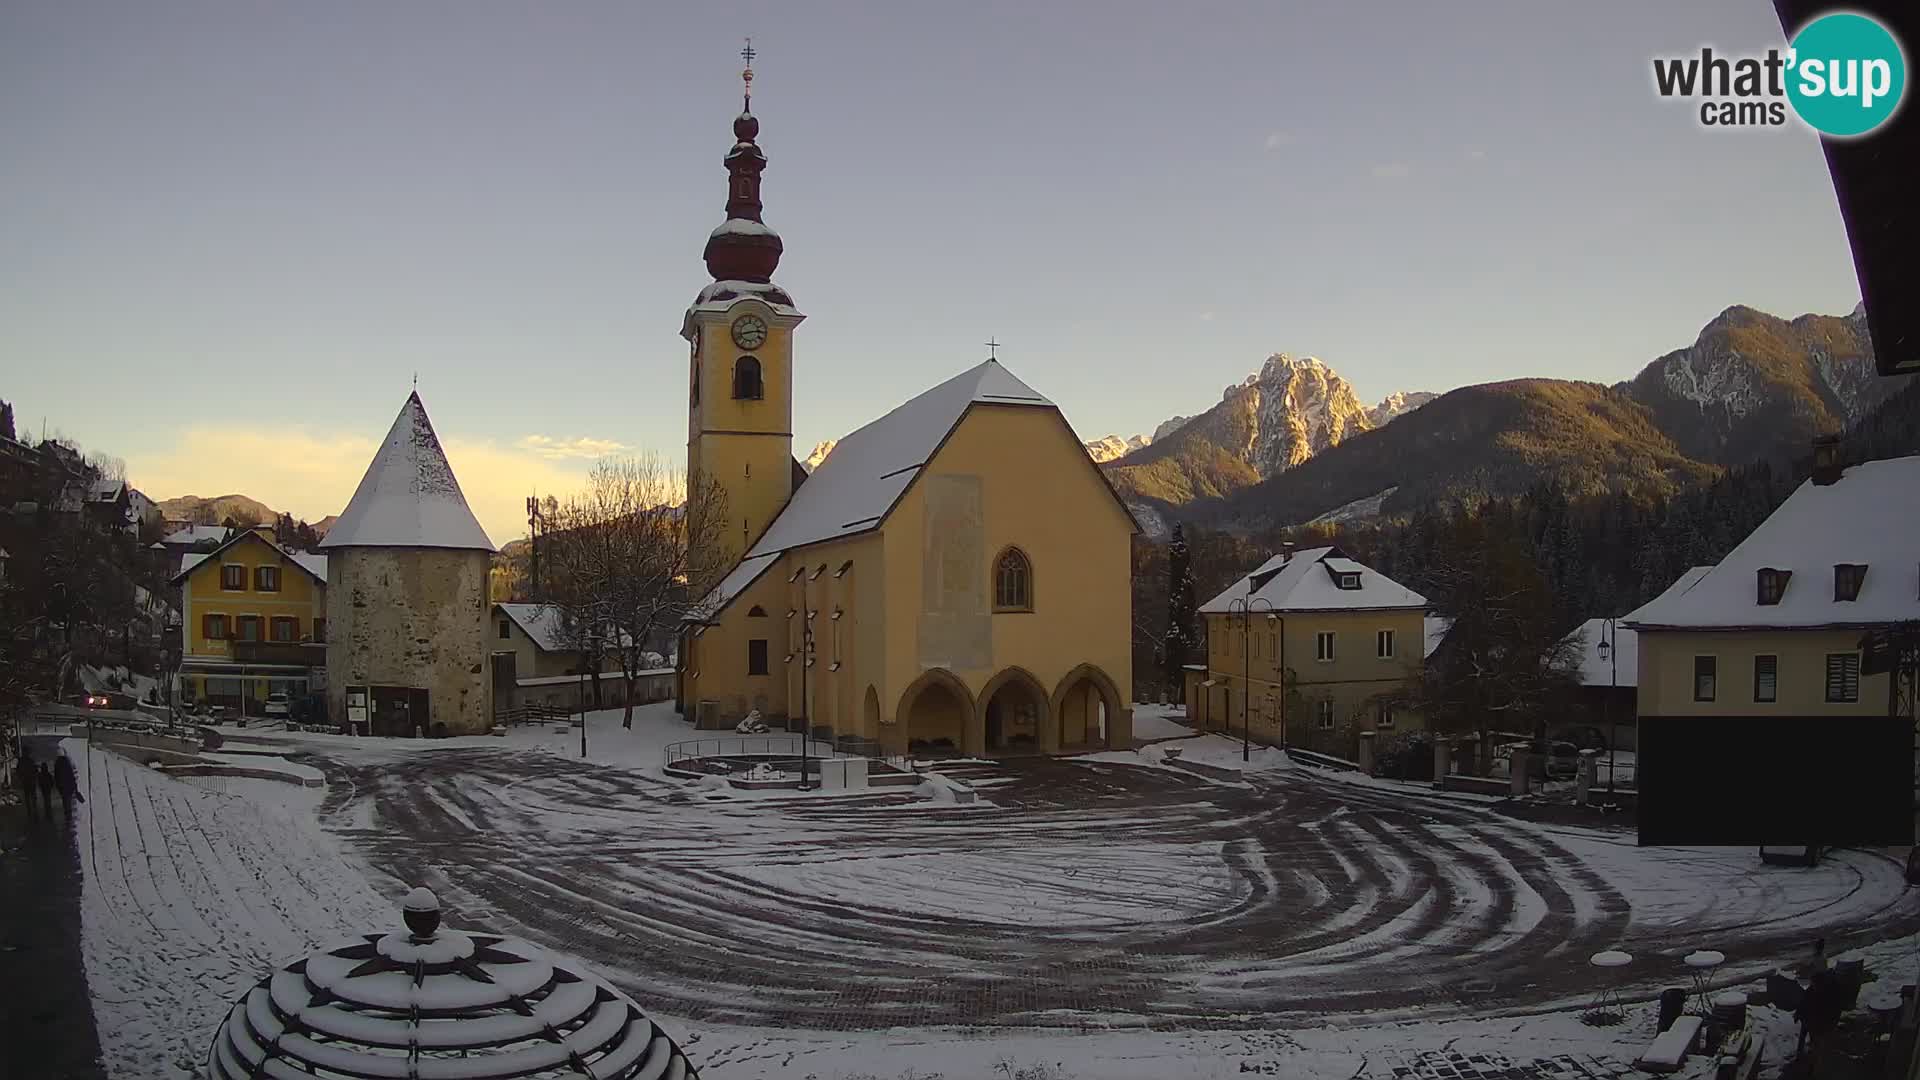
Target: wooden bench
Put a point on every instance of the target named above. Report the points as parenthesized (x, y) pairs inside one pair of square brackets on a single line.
[(1670, 1047)]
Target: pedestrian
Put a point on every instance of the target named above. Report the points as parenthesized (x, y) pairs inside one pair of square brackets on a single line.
[(29, 783), (45, 779), (68, 782)]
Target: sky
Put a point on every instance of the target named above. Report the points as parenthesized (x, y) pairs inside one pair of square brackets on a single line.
[(235, 233)]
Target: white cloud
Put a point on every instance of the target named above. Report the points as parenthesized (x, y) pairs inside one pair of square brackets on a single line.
[(1392, 170), (312, 475), (580, 448), (1278, 139)]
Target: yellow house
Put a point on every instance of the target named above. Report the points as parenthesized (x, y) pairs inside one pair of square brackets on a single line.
[(252, 622), (954, 577), (1774, 629), (1310, 650)]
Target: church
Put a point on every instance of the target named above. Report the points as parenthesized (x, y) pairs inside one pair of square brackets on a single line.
[(953, 578)]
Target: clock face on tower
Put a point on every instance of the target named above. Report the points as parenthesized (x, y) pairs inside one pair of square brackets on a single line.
[(749, 332)]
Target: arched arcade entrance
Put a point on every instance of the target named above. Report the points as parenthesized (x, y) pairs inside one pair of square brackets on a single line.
[(1085, 707)]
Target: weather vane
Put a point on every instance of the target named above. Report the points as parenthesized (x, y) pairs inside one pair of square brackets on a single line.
[(746, 75), (993, 348)]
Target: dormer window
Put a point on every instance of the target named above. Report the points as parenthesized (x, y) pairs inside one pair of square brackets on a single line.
[(1347, 581), (1773, 585), (1847, 579)]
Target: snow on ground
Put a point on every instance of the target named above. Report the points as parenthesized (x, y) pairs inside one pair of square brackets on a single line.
[(1333, 1052), (1096, 895), (1152, 722), (194, 889)]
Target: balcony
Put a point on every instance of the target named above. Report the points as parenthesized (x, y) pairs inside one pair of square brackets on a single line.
[(302, 653)]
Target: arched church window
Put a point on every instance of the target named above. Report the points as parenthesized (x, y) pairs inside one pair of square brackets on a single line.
[(756, 612), (746, 379), (1012, 581)]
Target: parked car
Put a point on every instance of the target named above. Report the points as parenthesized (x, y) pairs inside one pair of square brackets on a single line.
[(1562, 760), (1587, 738), (277, 706)]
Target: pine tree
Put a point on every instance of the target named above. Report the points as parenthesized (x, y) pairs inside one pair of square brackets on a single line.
[(6, 421), (1181, 634)]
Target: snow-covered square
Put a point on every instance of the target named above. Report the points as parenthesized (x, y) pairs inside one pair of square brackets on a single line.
[(1117, 914)]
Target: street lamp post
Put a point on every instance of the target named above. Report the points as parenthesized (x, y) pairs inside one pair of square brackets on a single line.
[(806, 718), (1610, 652), (1245, 606), (592, 650)]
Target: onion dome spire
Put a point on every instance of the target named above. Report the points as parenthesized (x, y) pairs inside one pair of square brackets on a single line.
[(743, 248)]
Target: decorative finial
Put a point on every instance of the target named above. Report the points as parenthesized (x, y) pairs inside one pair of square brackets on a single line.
[(421, 911), (746, 77), (416, 380), (993, 349)]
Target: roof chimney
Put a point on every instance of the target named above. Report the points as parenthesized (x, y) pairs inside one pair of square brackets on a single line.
[(1286, 551), (1826, 460)]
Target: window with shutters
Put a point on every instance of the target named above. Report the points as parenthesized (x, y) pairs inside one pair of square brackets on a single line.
[(1323, 713), (757, 656), (1705, 676), (1766, 678), (286, 628), (1323, 646), (1383, 644), (233, 578), (213, 627), (248, 627), (1843, 677), (266, 578)]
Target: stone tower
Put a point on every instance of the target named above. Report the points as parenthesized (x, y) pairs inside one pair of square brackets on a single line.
[(407, 599), (740, 332)]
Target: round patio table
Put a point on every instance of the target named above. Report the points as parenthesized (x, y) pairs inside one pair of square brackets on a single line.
[(1608, 966), (1702, 963)]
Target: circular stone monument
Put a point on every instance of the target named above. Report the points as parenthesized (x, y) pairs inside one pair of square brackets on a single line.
[(442, 1003)]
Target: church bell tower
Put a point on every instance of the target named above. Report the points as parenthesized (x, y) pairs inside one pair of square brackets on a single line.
[(740, 337)]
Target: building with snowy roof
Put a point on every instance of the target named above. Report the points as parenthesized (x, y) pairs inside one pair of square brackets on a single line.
[(1775, 627), (953, 577), (535, 661), (1312, 649), (253, 622), (407, 598)]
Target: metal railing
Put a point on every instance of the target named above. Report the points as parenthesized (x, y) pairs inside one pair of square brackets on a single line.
[(781, 750), (533, 713)]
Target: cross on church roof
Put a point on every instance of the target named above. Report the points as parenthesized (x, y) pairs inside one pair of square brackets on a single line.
[(993, 349), (746, 76)]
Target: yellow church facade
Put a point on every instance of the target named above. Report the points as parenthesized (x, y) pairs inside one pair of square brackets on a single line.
[(953, 578)]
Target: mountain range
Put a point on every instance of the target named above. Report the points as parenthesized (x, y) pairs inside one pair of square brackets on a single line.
[(1291, 445)]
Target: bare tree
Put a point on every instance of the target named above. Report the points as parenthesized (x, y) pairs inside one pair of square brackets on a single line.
[(629, 558)]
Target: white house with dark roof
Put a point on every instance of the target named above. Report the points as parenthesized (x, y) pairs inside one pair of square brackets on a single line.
[(1775, 627), (1312, 649)]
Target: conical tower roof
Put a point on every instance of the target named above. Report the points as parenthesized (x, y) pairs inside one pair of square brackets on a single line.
[(409, 497)]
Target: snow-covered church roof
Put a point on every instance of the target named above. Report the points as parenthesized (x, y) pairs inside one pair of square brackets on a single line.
[(1869, 517), (1309, 581), (853, 488), (859, 482), (409, 497)]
